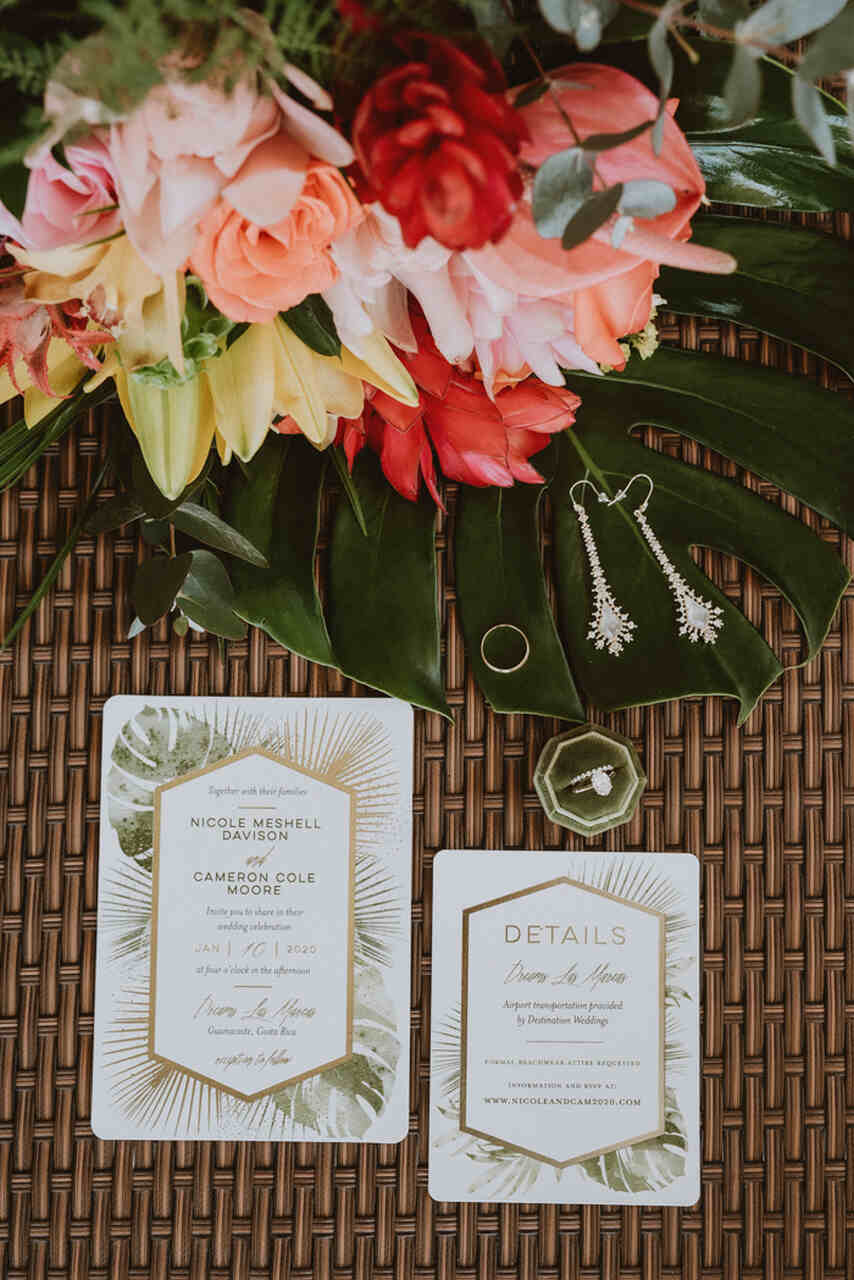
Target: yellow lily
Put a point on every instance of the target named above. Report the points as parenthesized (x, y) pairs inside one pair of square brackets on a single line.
[(174, 426), (114, 274), (270, 372)]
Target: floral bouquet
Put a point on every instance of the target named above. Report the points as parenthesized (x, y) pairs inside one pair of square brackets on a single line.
[(382, 247)]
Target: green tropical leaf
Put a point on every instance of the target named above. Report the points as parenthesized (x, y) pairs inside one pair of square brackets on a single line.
[(644, 1166), (754, 416), (500, 581), (345, 1100), (198, 522), (383, 609), (766, 162), (312, 321), (207, 597), (276, 505), (769, 161), (157, 745), (788, 284), (156, 585)]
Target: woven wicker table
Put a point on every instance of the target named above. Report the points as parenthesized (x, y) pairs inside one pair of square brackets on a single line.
[(768, 808)]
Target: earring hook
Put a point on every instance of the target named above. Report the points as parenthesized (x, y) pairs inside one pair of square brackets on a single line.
[(623, 493)]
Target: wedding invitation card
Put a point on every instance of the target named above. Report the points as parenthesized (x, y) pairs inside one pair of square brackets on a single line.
[(565, 1028), (253, 973)]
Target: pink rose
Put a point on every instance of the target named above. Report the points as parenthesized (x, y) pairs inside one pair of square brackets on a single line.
[(62, 203), (252, 273)]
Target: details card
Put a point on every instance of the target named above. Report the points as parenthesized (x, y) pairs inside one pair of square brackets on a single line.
[(565, 1028), (253, 920)]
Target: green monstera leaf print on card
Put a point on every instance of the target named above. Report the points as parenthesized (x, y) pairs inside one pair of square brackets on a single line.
[(156, 746), (348, 1097)]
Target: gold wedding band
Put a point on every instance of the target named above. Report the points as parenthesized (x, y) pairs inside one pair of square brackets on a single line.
[(505, 626)]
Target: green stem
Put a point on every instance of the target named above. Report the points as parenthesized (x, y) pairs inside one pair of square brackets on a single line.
[(62, 555)]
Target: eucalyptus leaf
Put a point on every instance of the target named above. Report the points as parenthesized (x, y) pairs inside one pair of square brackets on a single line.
[(593, 214), (584, 20), (646, 198), (661, 58), (754, 416), (312, 321), (157, 583), (562, 184), (500, 583), (198, 522), (207, 597), (809, 109), (787, 284), (608, 141), (531, 93), (778, 22), (767, 161), (831, 50), (743, 87), (277, 506), (383, 608)]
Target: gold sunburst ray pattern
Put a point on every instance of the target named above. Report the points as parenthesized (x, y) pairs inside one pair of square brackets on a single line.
[(125, 912), (377, 914), (149, 1091)]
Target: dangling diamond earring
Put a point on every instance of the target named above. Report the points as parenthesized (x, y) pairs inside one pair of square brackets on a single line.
[(699, 619), (611, 627)]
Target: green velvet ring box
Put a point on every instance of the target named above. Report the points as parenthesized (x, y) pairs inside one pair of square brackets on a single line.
[(589, 780)]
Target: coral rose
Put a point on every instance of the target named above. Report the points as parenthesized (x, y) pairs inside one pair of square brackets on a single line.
[(252, 273), (437, 143), (189, 143)]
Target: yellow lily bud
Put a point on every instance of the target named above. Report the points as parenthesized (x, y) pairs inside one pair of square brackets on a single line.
[(304, 384), (174, 427), (380, 367), (241, 380)]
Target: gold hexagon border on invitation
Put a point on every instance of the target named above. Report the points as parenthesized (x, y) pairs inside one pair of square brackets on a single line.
[(522, 893), (191, 775)]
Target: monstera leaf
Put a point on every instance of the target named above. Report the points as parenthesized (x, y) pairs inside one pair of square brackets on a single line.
[(155, 746), (277, 505), (500, 585), (783, 429), (346, 1099), (790, 283), (644, 1166), (383, 608)]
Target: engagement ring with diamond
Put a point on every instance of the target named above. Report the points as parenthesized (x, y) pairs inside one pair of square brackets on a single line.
[(597, 779)]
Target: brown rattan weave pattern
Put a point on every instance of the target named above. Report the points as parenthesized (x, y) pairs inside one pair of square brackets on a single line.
[(768, 807)]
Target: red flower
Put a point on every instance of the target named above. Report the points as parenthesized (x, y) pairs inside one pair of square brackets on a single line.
[(437, 143), (478, 441)]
